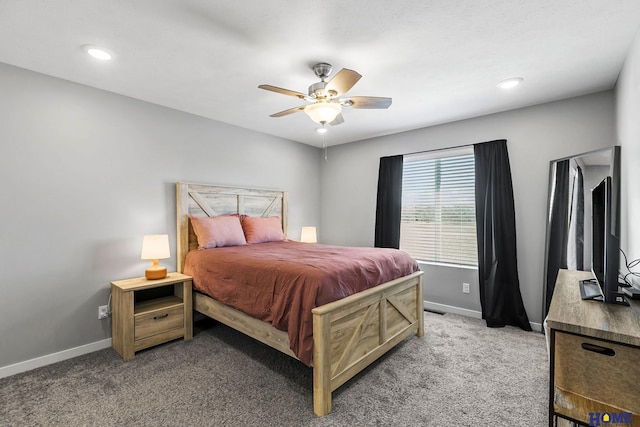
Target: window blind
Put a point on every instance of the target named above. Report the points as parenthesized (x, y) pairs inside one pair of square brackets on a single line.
[(438, 221)]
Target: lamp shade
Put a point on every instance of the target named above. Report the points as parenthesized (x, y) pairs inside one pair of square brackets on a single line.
[(323, 112), (309, 235), (155, 246)]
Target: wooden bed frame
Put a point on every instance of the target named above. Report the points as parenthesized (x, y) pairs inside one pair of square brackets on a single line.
[(348, 334)]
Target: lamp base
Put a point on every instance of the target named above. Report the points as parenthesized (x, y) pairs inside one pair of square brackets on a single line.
[(155, 273)]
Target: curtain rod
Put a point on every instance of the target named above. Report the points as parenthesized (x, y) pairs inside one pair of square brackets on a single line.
[(438, 149), (452, 148)]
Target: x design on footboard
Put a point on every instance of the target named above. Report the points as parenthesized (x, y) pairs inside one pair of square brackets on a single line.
[(351, 333)]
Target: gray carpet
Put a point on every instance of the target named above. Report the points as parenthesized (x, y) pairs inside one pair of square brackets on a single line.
[(460, 373)]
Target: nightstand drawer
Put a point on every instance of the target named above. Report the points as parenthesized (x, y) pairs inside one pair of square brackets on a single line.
[(589, 370), (154, 340), (158, 321)]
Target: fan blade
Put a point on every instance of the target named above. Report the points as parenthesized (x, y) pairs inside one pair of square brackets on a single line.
[(287, 112), (343, 81), (283, 91), (338, 120), (366, 102)]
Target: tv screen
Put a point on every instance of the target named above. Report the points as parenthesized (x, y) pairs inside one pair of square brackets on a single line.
[(605, 244), (600, 229)]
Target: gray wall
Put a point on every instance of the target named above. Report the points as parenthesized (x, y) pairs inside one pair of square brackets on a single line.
[(628, 126), (85, 174), (536, 135)]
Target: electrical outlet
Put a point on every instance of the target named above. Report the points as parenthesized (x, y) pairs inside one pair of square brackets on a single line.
[(465, 288), (103, 312)]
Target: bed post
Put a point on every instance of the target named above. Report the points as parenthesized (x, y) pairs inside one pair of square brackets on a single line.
[(182, 224), (321, 365)]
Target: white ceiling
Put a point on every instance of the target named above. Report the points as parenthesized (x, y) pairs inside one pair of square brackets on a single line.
[(439, 60)]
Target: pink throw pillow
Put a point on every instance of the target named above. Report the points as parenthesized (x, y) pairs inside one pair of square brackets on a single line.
[(261, 230), (218, 231)]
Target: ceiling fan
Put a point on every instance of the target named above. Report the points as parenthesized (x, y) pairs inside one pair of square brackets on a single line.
[(327, 97)]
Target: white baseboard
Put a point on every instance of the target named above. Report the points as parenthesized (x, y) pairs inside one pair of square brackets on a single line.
[(536, 326), (27, 365), (442, 308)]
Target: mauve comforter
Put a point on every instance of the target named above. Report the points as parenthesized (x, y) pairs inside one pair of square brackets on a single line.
[(281, 282)]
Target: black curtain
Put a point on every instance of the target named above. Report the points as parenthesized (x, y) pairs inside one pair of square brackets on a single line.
[(389, 205), (500, 296), (558, 234), (579, 218)]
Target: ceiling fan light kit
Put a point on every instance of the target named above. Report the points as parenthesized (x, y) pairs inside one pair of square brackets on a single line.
[(323, 112), (327, 98)]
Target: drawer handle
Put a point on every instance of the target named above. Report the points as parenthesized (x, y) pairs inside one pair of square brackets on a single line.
[(598, 349), (162, 316)]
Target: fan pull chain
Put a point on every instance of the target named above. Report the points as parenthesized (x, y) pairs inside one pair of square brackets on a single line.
[(324, 145)]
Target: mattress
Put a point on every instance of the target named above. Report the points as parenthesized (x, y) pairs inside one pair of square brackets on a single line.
[(281, 282)]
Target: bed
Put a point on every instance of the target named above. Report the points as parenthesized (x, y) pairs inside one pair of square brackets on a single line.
[(347, 334)]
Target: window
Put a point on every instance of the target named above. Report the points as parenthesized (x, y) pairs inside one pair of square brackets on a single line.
[(438, 207)]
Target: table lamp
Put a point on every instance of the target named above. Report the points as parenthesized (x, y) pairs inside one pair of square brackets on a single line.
[(309, 235), (155, 247)]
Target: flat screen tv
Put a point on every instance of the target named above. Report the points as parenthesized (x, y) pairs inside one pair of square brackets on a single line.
[(605, 242)]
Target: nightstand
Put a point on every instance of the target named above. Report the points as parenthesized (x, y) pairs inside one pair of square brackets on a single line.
[(146, 312)]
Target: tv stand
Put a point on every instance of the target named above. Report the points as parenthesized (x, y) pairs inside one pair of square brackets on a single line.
[(618, 298), (594, 353), (590, 290)]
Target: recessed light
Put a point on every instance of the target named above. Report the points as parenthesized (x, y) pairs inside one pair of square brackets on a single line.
[(510, 83), (98, 52), (321, 130)]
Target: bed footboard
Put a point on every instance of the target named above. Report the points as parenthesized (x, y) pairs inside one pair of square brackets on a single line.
[(351, 333)]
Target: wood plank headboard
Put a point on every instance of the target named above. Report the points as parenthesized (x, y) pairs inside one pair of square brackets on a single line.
[(210, 200)]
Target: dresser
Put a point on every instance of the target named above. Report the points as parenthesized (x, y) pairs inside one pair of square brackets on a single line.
[(594, 353)]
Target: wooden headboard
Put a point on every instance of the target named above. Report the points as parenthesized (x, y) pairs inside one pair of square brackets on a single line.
[(209, 200)]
